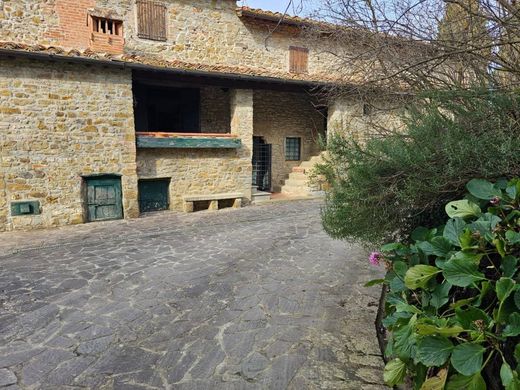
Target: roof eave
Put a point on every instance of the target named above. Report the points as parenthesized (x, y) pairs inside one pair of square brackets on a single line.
[(151, 68)]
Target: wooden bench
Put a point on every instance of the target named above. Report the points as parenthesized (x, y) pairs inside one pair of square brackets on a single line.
[(214, 199)]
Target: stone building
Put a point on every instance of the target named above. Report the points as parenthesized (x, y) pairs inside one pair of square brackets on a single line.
[(110, 108)]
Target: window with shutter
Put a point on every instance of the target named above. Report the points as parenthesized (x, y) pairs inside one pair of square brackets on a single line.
[(151, 20), (298, 59)]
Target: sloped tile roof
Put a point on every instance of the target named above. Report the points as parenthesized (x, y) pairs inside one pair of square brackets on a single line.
[(155, 61)]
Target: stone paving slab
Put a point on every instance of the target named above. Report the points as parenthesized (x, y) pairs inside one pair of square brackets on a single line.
[(256, 298)]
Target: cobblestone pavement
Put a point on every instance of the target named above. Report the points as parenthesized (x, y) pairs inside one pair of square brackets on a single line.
[(257, 298)]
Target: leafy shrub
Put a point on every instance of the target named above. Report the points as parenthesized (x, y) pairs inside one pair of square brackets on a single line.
[(453, 300), (382, 189)]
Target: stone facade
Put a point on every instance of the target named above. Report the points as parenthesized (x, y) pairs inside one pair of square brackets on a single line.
[(352, 117), (215, 110), (282, 114), (206, 171), (206, 32), (61, 122), (57, 125)]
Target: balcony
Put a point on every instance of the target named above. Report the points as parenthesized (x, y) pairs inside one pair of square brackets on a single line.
[(187, 140)]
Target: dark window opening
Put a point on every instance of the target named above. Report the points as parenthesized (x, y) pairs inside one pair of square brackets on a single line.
[(154, 195), (293, 149), (163, 109)]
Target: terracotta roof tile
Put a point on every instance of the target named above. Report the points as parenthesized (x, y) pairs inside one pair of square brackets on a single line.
[(279, 17)]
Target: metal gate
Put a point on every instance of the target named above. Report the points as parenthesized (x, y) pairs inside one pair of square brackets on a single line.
[(153, 195), (104, 199), (262, 157)]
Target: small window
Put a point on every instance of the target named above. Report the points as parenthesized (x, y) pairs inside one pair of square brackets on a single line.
[(293, 148), (151, 20), (298, 59), (107, 26)]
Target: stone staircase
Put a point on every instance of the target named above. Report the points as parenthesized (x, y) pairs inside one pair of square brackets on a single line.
[(298, 183)]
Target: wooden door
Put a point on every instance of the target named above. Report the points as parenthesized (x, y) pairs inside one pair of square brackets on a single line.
[(104, 199)]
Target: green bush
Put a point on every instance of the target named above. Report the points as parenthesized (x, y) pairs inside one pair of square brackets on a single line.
[(384, 188), (453, 299)]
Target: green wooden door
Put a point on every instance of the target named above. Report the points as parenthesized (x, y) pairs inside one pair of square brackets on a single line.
[(153, 195), (104, 200)]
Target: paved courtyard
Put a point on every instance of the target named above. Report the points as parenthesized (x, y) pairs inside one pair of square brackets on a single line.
[(256, 298)]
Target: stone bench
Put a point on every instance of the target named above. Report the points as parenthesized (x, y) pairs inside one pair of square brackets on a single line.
[(189, 200)]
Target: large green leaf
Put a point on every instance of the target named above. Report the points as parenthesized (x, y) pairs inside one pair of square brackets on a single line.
[(419, 275), (467, 358), (483, 189), (506, 374), (512, 328), (428, 330), (433, 350), (467, 317), (400, 268), (513, 190), (513, 237), (395, 372), (517, 298), (509, 266), (471, 257), (437, 382), (453, 229), (462, 209), (440, 295), (404, 340), (509, 377), (461, 382), (485, 225), (504, 288), (461, 272), (438, 246)]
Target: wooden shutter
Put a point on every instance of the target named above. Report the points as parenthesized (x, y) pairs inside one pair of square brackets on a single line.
[(298, 59), (151, 20)]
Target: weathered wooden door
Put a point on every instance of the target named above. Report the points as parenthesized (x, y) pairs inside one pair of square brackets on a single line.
[(104, 199), (153, 195)]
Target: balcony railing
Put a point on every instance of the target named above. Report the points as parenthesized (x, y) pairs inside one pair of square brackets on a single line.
[(187, 140)]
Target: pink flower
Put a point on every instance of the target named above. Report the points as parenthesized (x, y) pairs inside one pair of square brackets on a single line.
[(495, 201), (375, 258)]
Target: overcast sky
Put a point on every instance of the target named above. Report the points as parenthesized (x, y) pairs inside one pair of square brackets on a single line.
[(274, 5)]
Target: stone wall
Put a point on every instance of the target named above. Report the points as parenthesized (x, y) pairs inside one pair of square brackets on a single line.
[(57, 124), (348, 117), (199, 31), (206, 171), (215, 110), (279, 115)]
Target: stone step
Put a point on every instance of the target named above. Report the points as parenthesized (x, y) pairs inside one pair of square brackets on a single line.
[(307, 165), (298, 176), (289, 190), (260, 196), (298, 170), (297, 182)]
